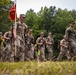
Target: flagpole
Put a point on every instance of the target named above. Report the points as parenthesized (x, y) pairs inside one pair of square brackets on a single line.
[(15, 24), (13, 16), (15, 12)]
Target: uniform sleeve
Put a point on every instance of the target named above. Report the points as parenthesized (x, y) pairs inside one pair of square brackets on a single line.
[(37, 41), (61, 42), (26, 29), (5, 34), (26, 26), (67, 33), (15, 25)]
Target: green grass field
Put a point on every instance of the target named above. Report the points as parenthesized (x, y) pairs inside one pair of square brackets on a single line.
[(38, 68)]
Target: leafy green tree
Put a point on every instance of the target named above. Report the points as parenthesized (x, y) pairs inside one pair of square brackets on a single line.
[(30, 18), (73, 14), (5, 22), (4, 2)]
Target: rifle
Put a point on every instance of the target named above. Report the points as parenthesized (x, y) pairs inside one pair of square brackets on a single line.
[(11, 37), (41, 41)]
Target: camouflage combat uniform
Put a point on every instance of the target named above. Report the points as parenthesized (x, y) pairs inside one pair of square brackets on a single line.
[(50, 47), (71, 35), (30, 46), (20, 41), (41, 47), (8, 48), (64, 49)]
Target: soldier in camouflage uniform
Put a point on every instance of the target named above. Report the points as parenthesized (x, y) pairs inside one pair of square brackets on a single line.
[(2, 55), (41, 42), (64, 48), (30, 45), (71, 36), (8, 48), (49, 45), (19, 30)]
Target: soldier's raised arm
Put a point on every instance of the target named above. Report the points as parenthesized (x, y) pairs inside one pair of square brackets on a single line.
[(6, 36)]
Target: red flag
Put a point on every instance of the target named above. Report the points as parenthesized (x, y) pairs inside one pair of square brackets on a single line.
[(12, 13)]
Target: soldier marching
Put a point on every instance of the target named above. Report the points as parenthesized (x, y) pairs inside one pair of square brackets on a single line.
[(49, 45), (64, 49), (18, 44)]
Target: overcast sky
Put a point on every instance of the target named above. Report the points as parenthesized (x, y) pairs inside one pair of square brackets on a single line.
[(24, 5)]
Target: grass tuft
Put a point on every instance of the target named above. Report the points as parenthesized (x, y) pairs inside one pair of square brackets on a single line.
[(35, 68)]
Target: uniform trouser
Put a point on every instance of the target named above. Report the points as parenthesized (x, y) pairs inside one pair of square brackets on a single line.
[(25, 53), (18, 51), (2, 55), (7, 52), (50, 53), (73, 47), (30, 53), (19, 55), (63, 53), (12, 56), (36, 55), (42, 54)]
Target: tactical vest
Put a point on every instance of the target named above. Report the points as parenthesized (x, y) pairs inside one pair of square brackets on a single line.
[(49, 40), (42, 40), (21, 29), (30, 39)]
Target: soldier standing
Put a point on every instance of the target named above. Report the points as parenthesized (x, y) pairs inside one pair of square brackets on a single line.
[(41, 41), (49, 45), (19, 30), (2, 55), (30, 45), (64, 48), (71, 36), (8, 49)]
